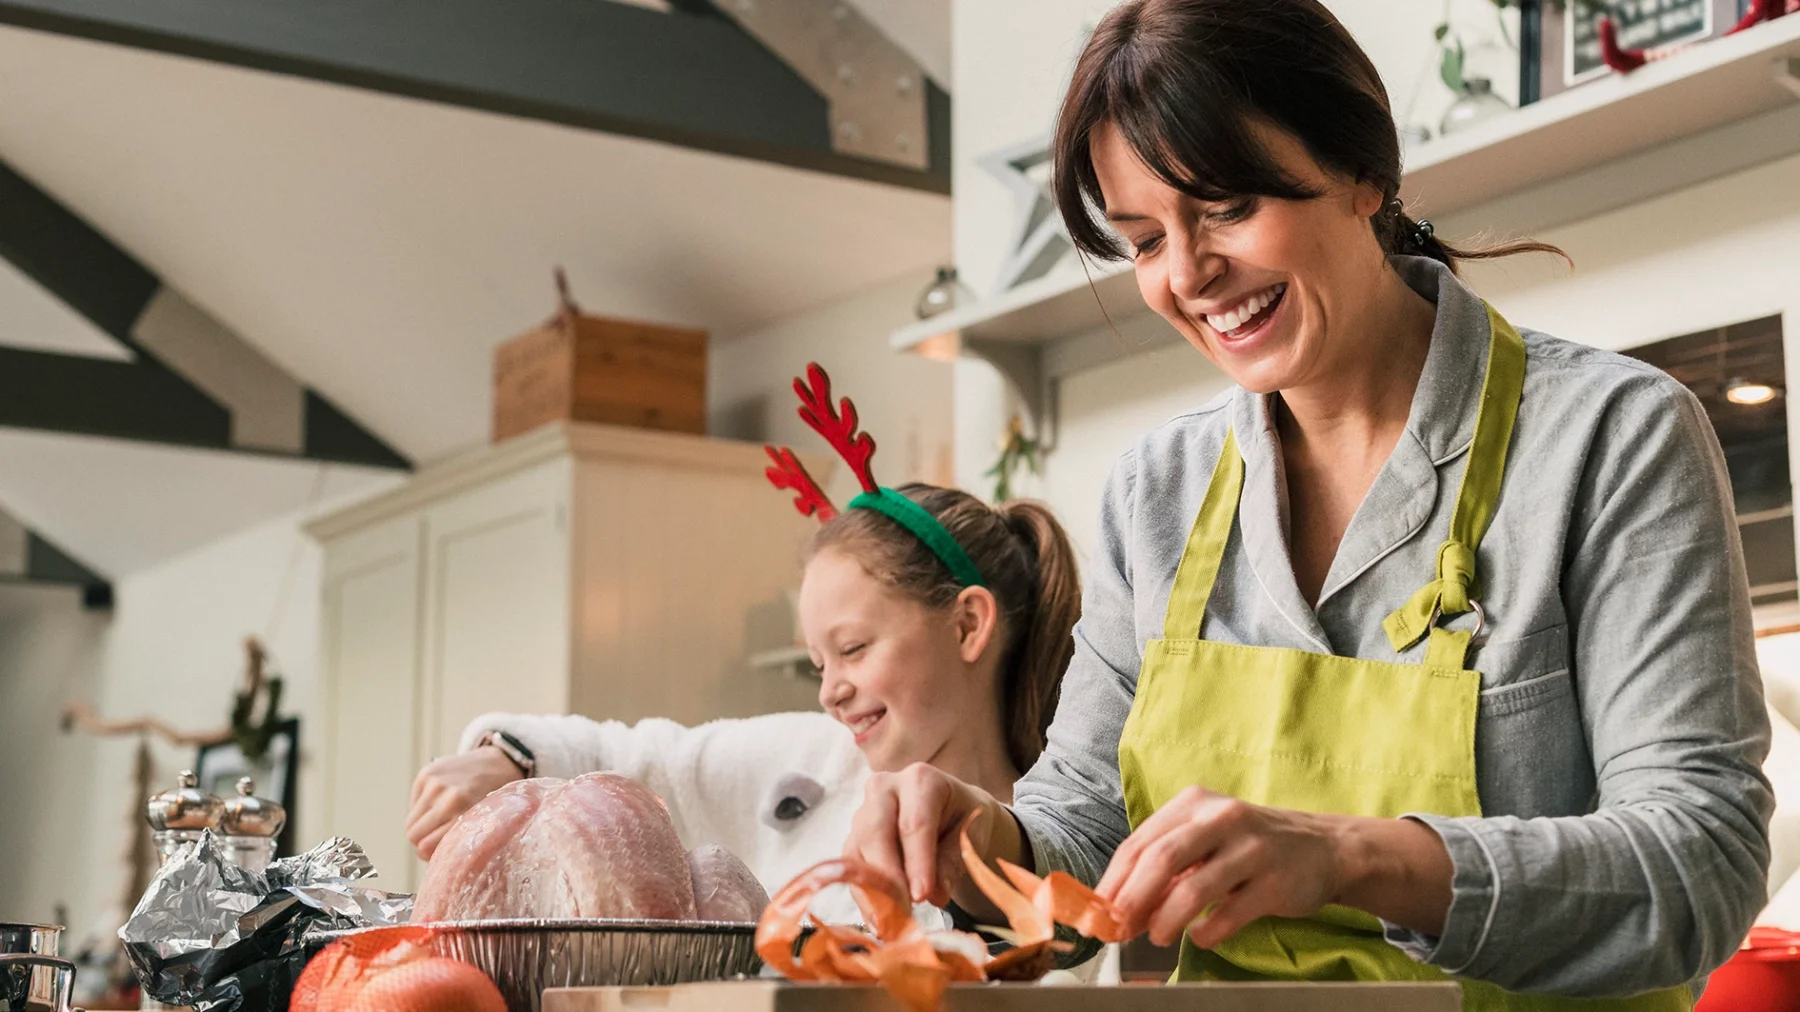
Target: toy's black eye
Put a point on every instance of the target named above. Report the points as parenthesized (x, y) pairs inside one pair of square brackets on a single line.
[(793, 795)]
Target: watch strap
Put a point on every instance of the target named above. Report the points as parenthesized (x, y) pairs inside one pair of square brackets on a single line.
[(514, 749)]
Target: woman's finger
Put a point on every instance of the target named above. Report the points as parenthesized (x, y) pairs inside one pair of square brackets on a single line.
[(1160, 823), (1256, 899), (1203, 886), (1208, 829)]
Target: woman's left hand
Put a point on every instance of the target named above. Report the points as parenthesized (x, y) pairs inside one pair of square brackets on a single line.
[(1243, 861), (1206, 850)]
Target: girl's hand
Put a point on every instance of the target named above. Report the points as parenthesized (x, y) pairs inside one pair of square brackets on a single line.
[(450, 786), (908, 827), (1235, 862)]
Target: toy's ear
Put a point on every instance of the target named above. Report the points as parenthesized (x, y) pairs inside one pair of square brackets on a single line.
[(788, 802)]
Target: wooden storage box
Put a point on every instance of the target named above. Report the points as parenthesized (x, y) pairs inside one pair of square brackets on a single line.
[(585, 368), (777, 996)]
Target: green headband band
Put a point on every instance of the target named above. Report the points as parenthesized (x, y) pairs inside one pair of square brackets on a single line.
[(926, 528)]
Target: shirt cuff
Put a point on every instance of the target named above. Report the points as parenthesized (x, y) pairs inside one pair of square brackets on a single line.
[(1474, 898)]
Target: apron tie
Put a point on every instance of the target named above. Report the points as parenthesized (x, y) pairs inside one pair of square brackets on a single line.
[(1452, 593)]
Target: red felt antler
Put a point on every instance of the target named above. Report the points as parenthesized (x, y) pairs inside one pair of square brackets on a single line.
[(838, 427), (789, 473)]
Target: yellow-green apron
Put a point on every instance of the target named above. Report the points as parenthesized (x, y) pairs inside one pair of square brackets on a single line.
[(1319, 733)]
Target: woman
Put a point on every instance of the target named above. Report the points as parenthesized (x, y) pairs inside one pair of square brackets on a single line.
[(915, 666), (1427, 650)]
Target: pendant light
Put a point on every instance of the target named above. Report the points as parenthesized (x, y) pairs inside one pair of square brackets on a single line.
[(1742, 391)]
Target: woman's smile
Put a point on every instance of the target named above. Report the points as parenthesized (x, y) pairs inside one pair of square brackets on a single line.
[(1242, 326)]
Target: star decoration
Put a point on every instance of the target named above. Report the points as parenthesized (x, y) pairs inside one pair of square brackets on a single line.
[(1039, 240)]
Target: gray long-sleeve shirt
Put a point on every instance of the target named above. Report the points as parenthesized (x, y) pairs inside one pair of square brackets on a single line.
[(1623, 844)]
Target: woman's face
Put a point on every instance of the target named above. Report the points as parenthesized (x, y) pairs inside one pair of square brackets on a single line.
[(893, 671), (1256, 284)]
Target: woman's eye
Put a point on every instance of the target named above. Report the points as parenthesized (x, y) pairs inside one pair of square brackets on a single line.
[(852, 650), (1233, 212), (1145, 246)]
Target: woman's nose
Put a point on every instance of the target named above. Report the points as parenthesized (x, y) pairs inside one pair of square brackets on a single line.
[(1192, 268)]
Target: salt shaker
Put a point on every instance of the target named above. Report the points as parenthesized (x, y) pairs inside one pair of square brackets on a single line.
[(178, 816), (249, 827)]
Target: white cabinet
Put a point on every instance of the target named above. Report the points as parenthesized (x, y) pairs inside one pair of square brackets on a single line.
[(588, 569)]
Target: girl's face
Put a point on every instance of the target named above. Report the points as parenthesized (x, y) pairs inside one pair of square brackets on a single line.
[(1257, 283), (902, 677)]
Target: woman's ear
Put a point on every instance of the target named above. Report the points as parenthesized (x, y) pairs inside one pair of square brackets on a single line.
[(1365, 200), (977, 621)]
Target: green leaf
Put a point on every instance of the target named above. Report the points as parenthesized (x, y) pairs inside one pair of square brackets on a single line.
[(1451, 69), (1440, 31)]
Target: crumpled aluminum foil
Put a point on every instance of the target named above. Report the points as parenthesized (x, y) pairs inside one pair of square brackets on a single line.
[(224, 939)]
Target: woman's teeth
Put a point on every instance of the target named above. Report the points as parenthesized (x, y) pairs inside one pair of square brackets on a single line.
[(864, 723), (1246, 310)]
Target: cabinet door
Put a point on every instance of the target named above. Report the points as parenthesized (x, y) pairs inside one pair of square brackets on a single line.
[(370, 693), (497, 603)]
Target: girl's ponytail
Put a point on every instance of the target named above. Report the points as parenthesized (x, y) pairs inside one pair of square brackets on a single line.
[(1042, 649)]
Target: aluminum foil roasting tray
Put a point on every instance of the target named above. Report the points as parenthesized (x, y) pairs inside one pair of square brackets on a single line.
[(525, 956)]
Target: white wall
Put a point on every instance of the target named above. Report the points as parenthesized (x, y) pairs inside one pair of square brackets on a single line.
[(904, 400), (172, 647)]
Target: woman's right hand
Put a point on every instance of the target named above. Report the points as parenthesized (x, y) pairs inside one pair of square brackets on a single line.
[(909, 826), (450, 786)]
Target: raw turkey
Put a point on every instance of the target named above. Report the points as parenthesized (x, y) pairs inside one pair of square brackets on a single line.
[(724, 889), (601, 845)]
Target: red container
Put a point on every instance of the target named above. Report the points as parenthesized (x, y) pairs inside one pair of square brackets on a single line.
[(1764, 976)]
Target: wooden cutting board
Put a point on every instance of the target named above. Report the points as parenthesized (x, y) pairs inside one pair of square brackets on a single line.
[(780, 996)]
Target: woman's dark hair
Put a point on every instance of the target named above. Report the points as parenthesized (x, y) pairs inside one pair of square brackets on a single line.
[(1185, 81), (1026, 562)]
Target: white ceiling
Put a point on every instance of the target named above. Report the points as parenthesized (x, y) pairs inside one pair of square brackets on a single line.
[(120, 507), (378, 248)]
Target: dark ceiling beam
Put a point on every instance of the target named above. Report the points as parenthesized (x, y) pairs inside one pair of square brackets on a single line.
[(190, 381), (697, 81), (27, 557)]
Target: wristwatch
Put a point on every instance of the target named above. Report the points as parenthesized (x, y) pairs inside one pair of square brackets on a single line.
[(512, 748)]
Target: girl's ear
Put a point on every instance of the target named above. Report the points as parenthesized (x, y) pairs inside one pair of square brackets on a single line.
[(977, 617)]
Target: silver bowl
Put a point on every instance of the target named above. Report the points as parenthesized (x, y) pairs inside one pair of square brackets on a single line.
[(524, 956)]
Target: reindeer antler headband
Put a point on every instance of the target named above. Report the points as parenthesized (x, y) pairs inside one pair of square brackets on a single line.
[(839, 429)]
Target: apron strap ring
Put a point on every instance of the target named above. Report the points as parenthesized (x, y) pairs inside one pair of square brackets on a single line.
[(1479, 635)]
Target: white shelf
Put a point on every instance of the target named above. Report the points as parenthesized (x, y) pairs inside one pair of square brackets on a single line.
[(1724, 105), (1713, 85)]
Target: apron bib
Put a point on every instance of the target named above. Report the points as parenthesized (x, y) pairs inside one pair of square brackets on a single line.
[(1314, 732)]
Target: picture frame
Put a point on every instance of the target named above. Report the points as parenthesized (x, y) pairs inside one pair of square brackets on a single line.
[(218, 767), (1562, 51)]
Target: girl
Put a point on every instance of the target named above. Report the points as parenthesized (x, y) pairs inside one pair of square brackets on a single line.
[(948, 654)]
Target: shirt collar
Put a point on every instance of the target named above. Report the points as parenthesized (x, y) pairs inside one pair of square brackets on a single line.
[(1440, 425)]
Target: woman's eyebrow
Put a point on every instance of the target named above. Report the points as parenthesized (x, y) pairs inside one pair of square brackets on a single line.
[(1125, 216)]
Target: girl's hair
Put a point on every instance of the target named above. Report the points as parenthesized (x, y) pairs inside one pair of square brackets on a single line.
[(1027, 563), (1185, 82)]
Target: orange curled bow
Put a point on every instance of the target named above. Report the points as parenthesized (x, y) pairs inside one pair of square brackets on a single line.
[(915, 965)]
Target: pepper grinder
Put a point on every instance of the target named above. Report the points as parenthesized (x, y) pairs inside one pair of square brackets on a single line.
[(249, 827), (178, 816)]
